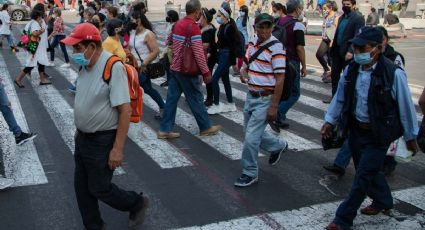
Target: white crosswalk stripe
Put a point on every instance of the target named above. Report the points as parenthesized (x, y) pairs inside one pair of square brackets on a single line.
[(21, 163)]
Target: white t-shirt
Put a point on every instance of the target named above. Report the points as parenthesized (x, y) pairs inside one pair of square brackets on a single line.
[(40, 55), (5, 19), (139, 42)]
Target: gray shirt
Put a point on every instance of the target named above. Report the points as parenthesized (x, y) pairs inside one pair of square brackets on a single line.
[(95, 100)]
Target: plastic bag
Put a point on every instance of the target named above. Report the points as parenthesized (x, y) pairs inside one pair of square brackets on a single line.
[(400, 152)]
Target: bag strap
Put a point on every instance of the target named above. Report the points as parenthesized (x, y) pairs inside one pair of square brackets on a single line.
[(107, 71), (261, 49), (134, 46), (188, 33)]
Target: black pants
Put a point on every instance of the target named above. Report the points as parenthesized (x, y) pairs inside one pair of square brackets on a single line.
[(338, 64), (322, 55), (208, 86), (40, 67), (381, 13), (92, 179)]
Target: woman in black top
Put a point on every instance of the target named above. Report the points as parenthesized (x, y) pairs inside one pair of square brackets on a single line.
[(228, 44), (210, 46)]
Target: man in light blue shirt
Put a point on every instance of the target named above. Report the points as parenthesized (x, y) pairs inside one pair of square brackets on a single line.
[(373, 106)]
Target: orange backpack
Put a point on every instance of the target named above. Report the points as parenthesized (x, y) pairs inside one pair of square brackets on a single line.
[(136, 92)]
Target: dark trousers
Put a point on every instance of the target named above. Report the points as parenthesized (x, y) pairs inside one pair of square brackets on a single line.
[(145, 82), (322, 55), (368, 158), (92, 179), (55, 42), (338, 64), (381, 12), (209, 86)]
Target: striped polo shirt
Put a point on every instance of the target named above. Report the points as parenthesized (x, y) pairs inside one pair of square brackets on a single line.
[(262, 70)]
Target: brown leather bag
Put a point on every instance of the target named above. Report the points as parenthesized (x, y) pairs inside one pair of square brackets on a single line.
[(189, 65)]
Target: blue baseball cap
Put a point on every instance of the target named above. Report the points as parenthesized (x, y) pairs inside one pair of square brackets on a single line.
[(368, 34)]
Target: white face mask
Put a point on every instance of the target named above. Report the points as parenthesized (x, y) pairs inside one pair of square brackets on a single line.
[(241, 14), (276, 15)]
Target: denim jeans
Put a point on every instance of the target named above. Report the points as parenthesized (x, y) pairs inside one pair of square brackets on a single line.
[(256, 138), (55, 42), (8, 113), (368, 157), (145, 82), (9, 39), (189, 85), (222, 71), (92, 179), (284, 106)]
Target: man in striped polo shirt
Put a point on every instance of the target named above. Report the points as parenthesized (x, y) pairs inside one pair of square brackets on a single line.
[(264, 74)]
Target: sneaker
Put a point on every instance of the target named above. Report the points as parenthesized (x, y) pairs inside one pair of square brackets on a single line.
[(24, 137), (214, 109), (231, 107), (72, 89), (65, 65), (158, 115), (137, 218), (274, 126), (167, 135), (335, 169), (51, 64), (5, 183), (211, 131), (275, 158), (245, 181)]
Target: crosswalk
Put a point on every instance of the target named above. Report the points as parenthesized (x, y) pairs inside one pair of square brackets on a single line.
[(23, 164)]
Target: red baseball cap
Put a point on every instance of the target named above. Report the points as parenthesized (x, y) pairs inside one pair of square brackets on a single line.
[(84, 31)]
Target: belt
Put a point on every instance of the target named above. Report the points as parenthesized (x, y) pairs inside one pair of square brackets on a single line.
[(97, 133), (362, 125), (264, 93)]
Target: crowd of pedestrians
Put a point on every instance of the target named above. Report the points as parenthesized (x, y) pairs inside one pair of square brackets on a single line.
[(371, 104)]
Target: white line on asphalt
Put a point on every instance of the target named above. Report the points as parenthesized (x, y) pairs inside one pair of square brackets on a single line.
[(163, 153), (319, 215), (21, 163)]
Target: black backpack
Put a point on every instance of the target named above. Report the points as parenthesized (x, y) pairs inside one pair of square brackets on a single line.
[(279, 32)]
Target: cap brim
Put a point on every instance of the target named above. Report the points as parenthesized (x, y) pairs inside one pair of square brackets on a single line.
[(263, 21), (70, 41), (359, 41)]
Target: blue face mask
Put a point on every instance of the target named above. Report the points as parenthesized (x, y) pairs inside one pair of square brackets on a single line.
[(80, 60), (363, 58), (219, 20)]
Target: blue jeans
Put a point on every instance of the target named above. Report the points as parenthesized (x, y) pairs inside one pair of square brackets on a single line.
[(255, 122), (284, 106), (146, 84), (55, 42), (222, 72), (368, 157), (9, 39), (92, 179), (8, 113), (189, 85)]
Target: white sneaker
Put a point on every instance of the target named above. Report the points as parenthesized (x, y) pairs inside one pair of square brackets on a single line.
[(214, 109), (65, 65), (51, 63), (5, 182), (231, 107)]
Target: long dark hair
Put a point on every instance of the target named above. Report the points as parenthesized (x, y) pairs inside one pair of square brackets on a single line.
[(244, 9), (143, 20), (4, 7)]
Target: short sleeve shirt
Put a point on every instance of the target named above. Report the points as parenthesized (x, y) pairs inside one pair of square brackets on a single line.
[(96, 101)]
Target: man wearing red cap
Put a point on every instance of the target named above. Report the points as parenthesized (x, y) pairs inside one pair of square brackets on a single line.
[(102, 118)]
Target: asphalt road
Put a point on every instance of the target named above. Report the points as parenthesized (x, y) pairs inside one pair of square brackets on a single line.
[(190, 179)]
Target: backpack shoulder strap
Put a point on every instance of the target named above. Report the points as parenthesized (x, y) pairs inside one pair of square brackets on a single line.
[(107, 72), (261, 49)]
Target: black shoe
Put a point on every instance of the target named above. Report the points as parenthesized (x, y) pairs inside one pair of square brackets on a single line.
[(138, 217), (208, 103), (328, 101), (24, 137), (158, 115), (335, 169), (245, 181), (274, 158), (164, 84), (274, 126), (283, 125)]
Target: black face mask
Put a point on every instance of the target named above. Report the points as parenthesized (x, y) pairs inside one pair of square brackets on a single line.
[(346, 9), (132, 26), (168, 19)]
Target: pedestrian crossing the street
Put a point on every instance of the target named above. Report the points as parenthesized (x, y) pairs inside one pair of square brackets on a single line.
[(22, 163)]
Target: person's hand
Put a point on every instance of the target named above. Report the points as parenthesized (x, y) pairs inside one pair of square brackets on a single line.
[(244, 75), (303, 71), (207, 78), (412, 146), (272, 113), (115, 158), (326, 130), (142, 68), (348, 56)]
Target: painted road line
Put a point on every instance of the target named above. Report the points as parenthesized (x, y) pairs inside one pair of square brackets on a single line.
[(163, 153), (296, 143), (320, 215), (223, 143), (21, 163)]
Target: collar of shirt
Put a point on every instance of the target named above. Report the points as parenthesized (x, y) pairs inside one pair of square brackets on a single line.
[(367, 70), (257, 44)]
